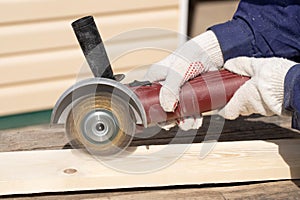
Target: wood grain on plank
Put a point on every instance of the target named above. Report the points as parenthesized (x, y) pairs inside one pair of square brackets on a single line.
[(43, 171)]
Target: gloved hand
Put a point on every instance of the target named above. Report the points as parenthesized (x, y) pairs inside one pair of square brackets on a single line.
[(198, 55), (264, 92)]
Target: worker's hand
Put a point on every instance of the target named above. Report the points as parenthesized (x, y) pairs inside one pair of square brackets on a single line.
[(263, 93), (198, 55)]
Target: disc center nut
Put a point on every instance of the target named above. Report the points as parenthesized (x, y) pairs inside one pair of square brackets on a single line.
[(100, 127)]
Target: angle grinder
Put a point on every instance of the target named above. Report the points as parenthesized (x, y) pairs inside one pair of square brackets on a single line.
[(102, 115)]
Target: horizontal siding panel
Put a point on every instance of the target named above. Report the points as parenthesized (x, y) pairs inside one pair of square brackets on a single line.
[(12, 11), (53, 64), (42, 93), (138, 58), (28, 97), (40, 57), (58, 34), (32, 97), (36, 67)]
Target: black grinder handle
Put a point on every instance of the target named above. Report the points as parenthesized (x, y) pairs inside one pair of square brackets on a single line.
[(92, 47)]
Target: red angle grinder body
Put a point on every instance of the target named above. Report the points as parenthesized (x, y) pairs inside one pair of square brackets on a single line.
[(206, 92)]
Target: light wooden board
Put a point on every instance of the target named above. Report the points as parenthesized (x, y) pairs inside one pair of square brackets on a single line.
[(43, 171)]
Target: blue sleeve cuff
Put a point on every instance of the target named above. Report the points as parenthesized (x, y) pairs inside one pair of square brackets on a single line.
[(292, 94), (296, 120), (235, 38)]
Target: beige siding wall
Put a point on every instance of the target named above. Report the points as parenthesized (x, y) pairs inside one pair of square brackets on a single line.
[(209, 13), (39, 54)]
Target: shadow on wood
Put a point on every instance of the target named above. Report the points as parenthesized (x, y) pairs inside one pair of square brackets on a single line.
[(254, 127)]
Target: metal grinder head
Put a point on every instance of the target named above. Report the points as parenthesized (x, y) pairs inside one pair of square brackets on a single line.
[(101, 124)]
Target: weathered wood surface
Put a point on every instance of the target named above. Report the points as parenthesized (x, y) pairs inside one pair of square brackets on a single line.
[(242, 129)]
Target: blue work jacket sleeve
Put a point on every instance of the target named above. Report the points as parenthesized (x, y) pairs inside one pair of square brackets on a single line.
[(261, 28), (292, 94)]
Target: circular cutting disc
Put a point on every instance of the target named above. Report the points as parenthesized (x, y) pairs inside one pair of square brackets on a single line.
[(102, 124)]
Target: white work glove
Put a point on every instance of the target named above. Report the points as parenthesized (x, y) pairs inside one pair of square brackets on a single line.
[(264, 92), (198, 55)]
